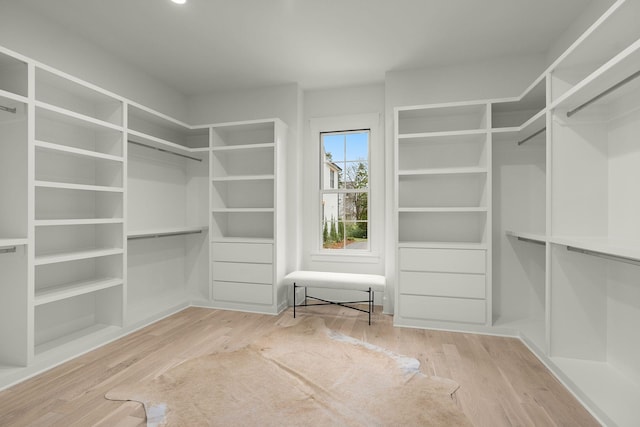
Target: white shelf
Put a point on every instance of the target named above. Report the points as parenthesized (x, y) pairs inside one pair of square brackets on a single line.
[(90, 221), (603, 245), (444, 209), (241, 240), (243, 178), (267, 145), (536, 237), (76, 151), (169, 231), (84, 187), (443, 245), (618, 68), (242, 210), (443, 171), (14, 96), (77, 255), (5, 242), (83, 339), (408, 137), (69, 290), (162, 143), (612, 392), (77, 116)]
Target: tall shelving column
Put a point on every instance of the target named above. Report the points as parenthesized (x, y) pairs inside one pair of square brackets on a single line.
[(167, 215), (443, 192), (14, 310), (518, 130), (247, 215), (78, 215)]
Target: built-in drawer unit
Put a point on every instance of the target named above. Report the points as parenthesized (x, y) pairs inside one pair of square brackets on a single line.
[(246, 293), (243, 252), (242, 272), (443, 260), (442, 284)]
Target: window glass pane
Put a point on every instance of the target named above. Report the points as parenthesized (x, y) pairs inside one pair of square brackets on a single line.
[(355, 207), (356, 235), (332, 234), (333, 146), (357, 146), (356, 175), (333, 206), (331, 176)]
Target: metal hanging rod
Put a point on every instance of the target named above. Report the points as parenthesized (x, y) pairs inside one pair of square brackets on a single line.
[(605, 255), (535, 242), (8, 250), (153, 236), (533, 135), (163, 150), (604, 93), (8, 109)]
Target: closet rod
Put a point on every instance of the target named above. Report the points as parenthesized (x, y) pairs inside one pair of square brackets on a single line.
[(533, 135), (604, 93), (163, 150), (605, 255), (9, 250), (535, 242), (153, 236), (8, 109)]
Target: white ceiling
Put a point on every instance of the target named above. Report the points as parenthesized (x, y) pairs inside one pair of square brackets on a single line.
[(213, 45)]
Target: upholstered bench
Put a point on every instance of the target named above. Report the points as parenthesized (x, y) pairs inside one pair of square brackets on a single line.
[(368, 283)]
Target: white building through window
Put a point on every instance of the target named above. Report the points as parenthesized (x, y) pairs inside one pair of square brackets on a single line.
[(344, 190)]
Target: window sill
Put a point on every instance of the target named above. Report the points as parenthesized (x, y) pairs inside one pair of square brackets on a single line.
[(362, 257)]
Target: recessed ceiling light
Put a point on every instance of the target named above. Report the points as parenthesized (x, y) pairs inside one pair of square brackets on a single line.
[(179, 1)]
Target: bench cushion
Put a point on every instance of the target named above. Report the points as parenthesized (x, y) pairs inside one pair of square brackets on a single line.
[(349, 281)]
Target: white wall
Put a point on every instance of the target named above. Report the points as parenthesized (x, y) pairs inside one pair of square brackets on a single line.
[(29, 34)]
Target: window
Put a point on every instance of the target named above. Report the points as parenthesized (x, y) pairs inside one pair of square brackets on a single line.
[(345, 200)]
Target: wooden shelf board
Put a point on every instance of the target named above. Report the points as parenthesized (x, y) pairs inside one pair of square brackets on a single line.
[(261, 146), (77, 151), (88, 120), (243, 178), (69, 290), (89, 221), (84, 187), (612, 247), (77, 255), (443, 171), (612, 392)]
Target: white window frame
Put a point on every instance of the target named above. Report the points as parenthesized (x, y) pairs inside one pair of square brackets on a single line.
[(376, 188)]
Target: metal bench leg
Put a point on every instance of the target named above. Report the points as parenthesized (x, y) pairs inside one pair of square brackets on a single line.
[(294, 300)]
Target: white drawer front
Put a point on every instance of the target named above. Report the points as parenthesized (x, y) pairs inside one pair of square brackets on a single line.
[(443, 260), (243, 272), (243, 252), (443, 284), (248, 293), (442, 308)]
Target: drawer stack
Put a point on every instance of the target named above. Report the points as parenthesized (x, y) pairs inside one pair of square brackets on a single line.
[(442, 284)]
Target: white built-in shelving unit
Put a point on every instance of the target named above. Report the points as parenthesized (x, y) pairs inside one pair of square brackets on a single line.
[(564, 206), (247, 215), (443, 192)]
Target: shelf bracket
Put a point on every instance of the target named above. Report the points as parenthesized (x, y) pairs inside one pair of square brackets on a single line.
[(8, 109), (154, 236), (163, 150), (8, 250), (605, 255), (533, 135), (604, 93)]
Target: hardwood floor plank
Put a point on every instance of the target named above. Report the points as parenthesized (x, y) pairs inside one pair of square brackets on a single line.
[(501, 382)]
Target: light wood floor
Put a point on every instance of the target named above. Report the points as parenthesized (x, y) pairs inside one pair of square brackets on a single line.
[(501, 381)]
